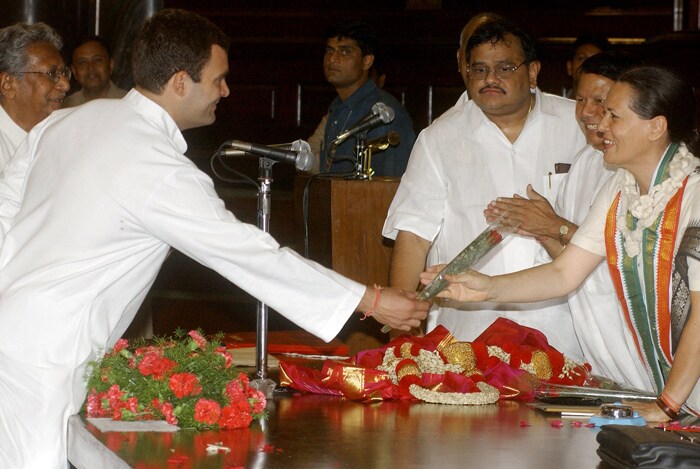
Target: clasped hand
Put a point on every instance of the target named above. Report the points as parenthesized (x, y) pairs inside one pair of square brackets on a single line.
[(534, 215)]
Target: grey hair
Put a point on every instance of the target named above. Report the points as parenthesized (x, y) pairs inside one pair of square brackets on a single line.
[(15, 39)]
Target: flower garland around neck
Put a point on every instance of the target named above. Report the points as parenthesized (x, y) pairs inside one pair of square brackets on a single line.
[(646, 208)]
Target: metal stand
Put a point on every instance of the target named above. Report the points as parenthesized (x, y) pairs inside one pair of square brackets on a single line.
[(261, 382), (362, 170)]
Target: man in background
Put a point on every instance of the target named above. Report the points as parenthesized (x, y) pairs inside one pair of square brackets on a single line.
[(508, 135), (92, 66), (584, 46), (349, 55), (33, 81)]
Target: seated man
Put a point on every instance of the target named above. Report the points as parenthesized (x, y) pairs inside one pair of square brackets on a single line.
[(33, 81), (349, 56), (92, 66)]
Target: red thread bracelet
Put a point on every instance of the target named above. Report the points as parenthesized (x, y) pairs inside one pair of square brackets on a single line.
[(377, 295)]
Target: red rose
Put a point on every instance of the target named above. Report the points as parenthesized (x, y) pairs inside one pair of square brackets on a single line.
[(184, 384), (207, 411)]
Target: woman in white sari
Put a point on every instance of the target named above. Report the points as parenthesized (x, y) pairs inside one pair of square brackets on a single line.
[(646, 224)]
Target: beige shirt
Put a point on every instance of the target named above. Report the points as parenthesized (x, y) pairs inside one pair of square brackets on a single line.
[(78, 98)]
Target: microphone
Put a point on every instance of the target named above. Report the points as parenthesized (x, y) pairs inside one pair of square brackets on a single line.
[(297, 152), (392, 138), (381, 114)]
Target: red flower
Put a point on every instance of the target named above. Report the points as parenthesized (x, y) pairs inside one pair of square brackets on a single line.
[(155, 364), (236, 416), (199, 339), (115, 396), (259, 401), (120, 345), (234, 391), (227, 356), (207, 411), (94, 404), (184, 384)]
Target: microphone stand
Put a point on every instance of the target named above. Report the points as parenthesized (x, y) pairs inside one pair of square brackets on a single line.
[(261, 382), (360, 155)]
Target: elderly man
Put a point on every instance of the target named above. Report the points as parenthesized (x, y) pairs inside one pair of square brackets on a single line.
[(33, 81), (92, 66), (594, 305), (508, 135), (108, 193)]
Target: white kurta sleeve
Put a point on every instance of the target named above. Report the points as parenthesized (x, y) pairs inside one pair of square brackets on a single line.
[(185, 212)]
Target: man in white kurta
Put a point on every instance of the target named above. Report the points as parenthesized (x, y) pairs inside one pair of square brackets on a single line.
[(28, 94), (11, 135), (98, 217), (460, 163)]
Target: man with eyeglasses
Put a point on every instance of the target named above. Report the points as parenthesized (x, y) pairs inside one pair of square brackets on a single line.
[(33, 81), (508, 135), (92, 64)]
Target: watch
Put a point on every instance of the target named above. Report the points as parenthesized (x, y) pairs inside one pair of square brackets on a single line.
[(563, 231)]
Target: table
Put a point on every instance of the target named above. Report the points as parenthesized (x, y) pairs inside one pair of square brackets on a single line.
[(317, 431)]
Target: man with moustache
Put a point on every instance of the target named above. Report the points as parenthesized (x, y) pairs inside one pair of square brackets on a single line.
[(594, 306), (108, 193), (33, 81), (508, 135), (92, 65)]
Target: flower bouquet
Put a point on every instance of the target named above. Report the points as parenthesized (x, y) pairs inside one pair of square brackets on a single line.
[(185, 380)]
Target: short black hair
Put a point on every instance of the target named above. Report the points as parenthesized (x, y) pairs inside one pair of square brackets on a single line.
[(600, 42), (357, 30), (495, 31), (171, 41), (609, 64)]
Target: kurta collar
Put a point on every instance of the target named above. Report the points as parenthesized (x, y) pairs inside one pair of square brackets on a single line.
[(156, 115)]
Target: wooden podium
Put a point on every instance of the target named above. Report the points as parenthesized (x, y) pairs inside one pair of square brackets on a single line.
[(345, 220)]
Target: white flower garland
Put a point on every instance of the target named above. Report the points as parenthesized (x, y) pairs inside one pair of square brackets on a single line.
[(488, 395), (646, 208)]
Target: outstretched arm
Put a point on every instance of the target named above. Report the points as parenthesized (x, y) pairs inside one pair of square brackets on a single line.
[(543, 282), (398, 309)]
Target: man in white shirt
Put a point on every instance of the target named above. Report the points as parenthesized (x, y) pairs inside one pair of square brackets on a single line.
[(33, 81), (595, 309), (92, 64), (108, 193), (508, 135)]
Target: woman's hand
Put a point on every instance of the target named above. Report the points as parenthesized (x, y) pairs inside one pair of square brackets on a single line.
[(651, 412), (470, 286)]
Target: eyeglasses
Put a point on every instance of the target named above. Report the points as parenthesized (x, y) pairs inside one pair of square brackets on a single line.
[(56, 73), (502, 72)]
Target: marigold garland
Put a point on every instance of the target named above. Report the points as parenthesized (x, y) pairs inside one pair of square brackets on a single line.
[(185, 380)]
